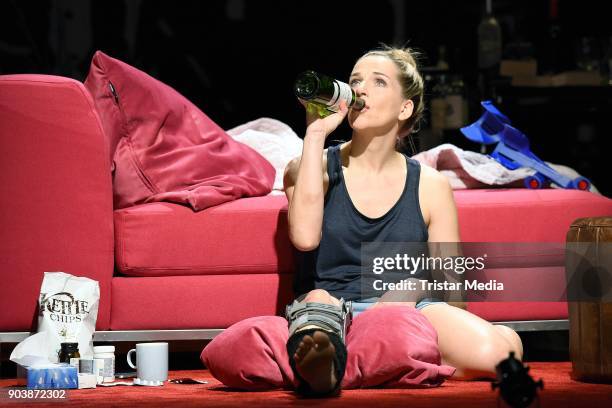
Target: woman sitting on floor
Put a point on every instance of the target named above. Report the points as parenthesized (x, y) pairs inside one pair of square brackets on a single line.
[(365, 190)]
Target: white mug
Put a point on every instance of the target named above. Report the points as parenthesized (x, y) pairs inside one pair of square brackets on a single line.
[(151, 363)]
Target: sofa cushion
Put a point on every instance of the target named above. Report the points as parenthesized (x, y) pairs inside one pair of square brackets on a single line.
[(164, 148), (243, 236), (522, 215), (196, 302), (250, 235), (516, 311)]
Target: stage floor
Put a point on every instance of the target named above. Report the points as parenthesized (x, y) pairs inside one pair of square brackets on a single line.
[(559, 391)]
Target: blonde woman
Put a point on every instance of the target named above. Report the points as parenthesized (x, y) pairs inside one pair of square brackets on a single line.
[(366, 190)]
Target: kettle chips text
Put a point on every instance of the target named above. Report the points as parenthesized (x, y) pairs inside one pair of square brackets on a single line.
[(63, 307)]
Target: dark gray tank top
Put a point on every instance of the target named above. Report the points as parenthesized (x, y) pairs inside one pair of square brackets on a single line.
[(336, 264)]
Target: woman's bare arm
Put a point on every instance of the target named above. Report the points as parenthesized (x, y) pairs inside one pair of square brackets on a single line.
[(305, 181)]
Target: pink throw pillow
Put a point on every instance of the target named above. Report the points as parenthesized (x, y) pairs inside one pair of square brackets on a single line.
[(251, 355), (164, 148), (393, 347)]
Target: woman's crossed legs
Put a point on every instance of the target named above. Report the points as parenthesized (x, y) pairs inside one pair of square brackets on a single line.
[(467, 342)]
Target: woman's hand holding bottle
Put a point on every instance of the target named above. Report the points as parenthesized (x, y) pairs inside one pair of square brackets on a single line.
[(322, 126)]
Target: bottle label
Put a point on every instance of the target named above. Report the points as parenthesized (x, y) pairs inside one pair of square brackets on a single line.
[(342, 91), (74, 362), (109, 367), (87, 366), (99, 369)]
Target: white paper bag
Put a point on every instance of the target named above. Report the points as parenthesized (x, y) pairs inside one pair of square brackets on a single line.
[(68, 310)]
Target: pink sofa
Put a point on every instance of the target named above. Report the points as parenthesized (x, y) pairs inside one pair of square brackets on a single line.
[(162, 266)]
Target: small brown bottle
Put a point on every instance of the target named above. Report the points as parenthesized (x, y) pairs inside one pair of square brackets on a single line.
[(68, 352)]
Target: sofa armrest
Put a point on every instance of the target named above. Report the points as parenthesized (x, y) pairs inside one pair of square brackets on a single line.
[(56, 200)]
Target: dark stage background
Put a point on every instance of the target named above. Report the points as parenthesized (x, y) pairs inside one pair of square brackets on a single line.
[(237, 59)]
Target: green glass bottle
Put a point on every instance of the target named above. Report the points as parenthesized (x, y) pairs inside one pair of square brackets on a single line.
[(489, 40), (325, 93)]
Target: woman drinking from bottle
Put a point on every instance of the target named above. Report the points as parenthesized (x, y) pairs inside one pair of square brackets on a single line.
[(366, 190)]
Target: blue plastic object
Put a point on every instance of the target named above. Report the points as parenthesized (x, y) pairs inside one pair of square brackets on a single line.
[(486, 129), (513, 149)]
